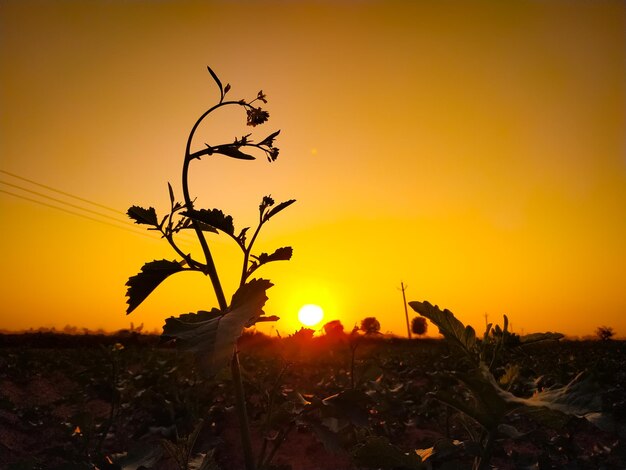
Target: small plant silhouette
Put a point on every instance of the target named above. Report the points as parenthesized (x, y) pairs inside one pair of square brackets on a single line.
[(491, 390), (333, 329), (605, 333), (370, 326), (212, 335), (419, 326)]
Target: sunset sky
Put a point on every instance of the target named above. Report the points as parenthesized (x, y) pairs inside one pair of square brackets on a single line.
[(475, 151)]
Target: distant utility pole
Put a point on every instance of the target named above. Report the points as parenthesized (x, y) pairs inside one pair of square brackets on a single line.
[(406, 312)]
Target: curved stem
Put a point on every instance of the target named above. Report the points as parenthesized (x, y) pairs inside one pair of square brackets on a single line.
[(211, 270), (190, 261)]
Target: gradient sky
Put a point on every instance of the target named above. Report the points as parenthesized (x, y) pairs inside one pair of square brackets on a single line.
[(475, 151)]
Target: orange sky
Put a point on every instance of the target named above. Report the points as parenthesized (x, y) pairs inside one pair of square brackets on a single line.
[(474, 150)]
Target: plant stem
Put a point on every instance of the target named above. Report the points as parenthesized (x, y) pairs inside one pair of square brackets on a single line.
[(246, 255), (242, 413), (211, 271)]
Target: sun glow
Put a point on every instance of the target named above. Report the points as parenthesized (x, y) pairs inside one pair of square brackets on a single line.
[(310, 315)]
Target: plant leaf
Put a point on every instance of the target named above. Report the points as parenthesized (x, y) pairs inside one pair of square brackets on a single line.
[(143, 216), (241, 238), (269, 140), (152, 274), (232, 151), (537, 337), (201, 225), (281, 254), (451, 328), (212, 335), (169, 187), (580, 397), (214, 218), (217, 80), (275, 210)]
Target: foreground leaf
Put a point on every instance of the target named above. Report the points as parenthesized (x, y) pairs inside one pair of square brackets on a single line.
[(451, 328), (152, 274), (580, 397), (212, 335), (537, 337)]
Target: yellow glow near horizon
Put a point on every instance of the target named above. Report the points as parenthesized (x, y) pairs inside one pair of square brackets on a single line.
[(477, 159), (310, 314)]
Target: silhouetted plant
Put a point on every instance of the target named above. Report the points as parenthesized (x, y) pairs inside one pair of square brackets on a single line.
[(303, 334), (419, 326), (333, 329), (212, 335), (493, 400), (605, 333), (370, 326)]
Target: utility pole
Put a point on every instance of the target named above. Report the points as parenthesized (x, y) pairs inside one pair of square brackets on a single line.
[(406, 312)]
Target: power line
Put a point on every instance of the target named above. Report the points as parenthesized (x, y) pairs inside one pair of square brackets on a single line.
[(63, 202), (183, 236), (50, 188), (75, 213)]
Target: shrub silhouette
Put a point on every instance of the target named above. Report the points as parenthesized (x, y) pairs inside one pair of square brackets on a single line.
[(333, 329), (419, 326), (303, 334), (370, 326), (605, 333)]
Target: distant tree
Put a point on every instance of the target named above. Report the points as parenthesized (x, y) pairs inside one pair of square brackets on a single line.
[(370, 326), (419, 326), (605, 333), (333, 328)]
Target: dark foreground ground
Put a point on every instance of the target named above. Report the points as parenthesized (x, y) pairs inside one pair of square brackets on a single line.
[(130, 401)]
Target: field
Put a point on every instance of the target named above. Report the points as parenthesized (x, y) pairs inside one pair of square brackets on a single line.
[(132, 401)]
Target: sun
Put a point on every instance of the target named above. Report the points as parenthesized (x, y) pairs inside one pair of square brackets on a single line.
[(310, 315)]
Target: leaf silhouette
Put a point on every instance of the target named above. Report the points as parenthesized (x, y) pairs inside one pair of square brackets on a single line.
[(451, 328), (281, 254), (212, 335), (171, 191), (278, 208), (537, 337), (143, 216), (152, 274), (186, 224), (269, 140), (232, 151), (217, 80), (214, 218)]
